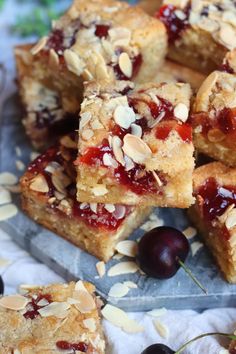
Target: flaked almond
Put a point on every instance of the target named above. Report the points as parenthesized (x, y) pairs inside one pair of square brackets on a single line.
[(157, 312), (215, 135), (84, 206), (99, 190), (181, 112), (161, 328), (120, 36), (195, 247), (39, 184), (136, 148), (14, 302), (130, 284), (94, 207), (8, 211), (118, 256), (136, 130), (123, 268), (5, 196), (157, 178), (73, 62), (20, 165), (120, 319), (222, 218), (125, 65), (119, 212), (84, 119), (127, 248), (87, 134), (227, 36), (42, 302), (57, 309), (7, 179), (60, 182), (110, 207), (231, 219), (85, 303), (17, 351), (53, 58), (109, 161), (90, 324), (116, 147), (129, 164), (124, 116), (190, 232), (101, 268), (34, 155), (118, 290), (39, 46)]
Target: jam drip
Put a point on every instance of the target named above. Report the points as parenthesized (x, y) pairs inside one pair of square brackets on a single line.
[(216, 198), (64, 345), (226, 68), (184, 131), (136, 62), (101, 31), (174, 25), (32, 313)]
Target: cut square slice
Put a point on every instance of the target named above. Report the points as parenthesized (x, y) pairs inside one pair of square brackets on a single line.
[(49, 197), (214, 213), (52, 319), (200, 32), (135, 145), (213, 117), (47, 114)]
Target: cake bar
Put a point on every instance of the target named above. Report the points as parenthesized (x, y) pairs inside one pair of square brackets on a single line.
[(214, 213), (49, 197), (135, 145), (59, 318)]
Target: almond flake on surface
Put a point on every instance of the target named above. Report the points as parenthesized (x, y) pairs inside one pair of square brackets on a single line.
[(230, 221), (127, 248), (84, 119), (118, 256), (181, 112), (18, 151), (85, 303), (5, 196), (33, 155), (190, 232), (109, 161), (120, 319), (118, 290), (99, 190), (87, 134), (227, 36), (130, 284), (116, 144), (94, 207), (110, 207), (125, 64), (73, 62), (101, 268), (136, 148), (57, 309), (124, 116), (162, 329), (136, 130), (7, 211), (16, 351), (224, 351), (222, 218), (43, 302), (119, 212), (157, 178), (123, 268), (90, 324), (28, 287), (20, 165), (14, 189), (129, 164), (39, 46), (8, 179), (195, 247), (39, 184), (157, 312), (14, 302)]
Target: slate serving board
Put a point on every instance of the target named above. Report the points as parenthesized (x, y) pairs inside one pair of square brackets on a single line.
[(72, 263)]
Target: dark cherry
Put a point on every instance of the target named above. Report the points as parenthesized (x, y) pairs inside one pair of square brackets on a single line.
[(64, 345), (1, 286), (101, 31), (160, 250), (158, 349)]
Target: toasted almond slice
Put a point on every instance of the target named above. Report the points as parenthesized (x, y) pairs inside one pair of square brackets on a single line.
[(14, 302), (83, 206), (125, 65), (57, 309), (123, 268), (39, 46), (124, 116), (39, 184), (129, 164), (227, 35), (222, 218), (190, 232), (157, 312), (17, 351), (120, 319), (99, 190), (101, 268), (87, 134), (86, 302), (157, 178), (5, 196), (118, 290), (119, 212), (94, 207), (231, 219), (20, 165), (109, 161), (73, 62), (130, 284), (110, 207), (136, 130), (181, 112), (116, 147), (118, 256), (7, 179), (43, 302), (127, 248), (84, 119), (7, 211), (90, 324), (136, 148), (195, 247), (161, 328)]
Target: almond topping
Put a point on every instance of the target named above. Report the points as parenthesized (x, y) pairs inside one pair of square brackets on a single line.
[(110, 208), (116, 147), (181, 112), (157, 312), (195, 247), (127, 248), (124, 116), (14, 302), (136, 149), (39, 46), (57, 309), (109, 161), (90, 324), (94, 207), (87, 134), (99, 190), (231, 219), (190, 232), (39, 184), (120, 319), (123, 268), (7, 179), (125, 65), (227, 36), (73, 62), (157, 178), (118, 290), (101, 268), (136, 130), (130, 284), (84, 119), (85, 303), (161, 328), (119, 212), (5, 196)]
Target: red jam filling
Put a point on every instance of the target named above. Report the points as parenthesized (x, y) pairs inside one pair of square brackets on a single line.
[(34, 307), (136, 62), (232, 351), (216, 198), (64, 345), (155, 109), (101, 31), (185, 131), (174, 25), (227, 68)]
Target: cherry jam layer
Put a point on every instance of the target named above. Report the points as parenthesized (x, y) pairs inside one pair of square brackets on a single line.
[(137, 179), (163, 106), (184, 131), (64, 345), (226, 68), (102, 218), (34, 306), (174, 24), (216, 198), (136, 64)]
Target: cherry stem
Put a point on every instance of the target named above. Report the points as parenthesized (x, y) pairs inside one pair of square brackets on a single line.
[(188, 271), (228, 335)]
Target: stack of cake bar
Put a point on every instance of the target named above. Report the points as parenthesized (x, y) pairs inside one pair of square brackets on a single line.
[(121, 118)]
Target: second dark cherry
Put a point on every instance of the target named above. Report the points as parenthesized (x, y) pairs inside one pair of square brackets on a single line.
[(158, 349), (1, 286)]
